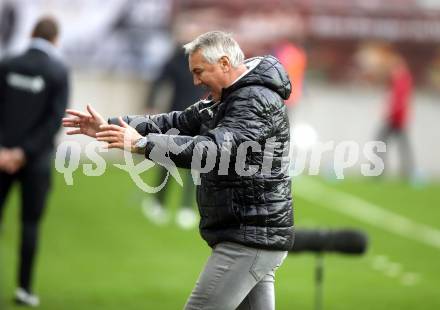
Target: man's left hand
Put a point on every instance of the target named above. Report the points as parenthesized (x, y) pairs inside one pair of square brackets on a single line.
[(121, 137)]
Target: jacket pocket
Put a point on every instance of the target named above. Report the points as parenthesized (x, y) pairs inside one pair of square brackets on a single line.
[(217, 208), (266, 263)]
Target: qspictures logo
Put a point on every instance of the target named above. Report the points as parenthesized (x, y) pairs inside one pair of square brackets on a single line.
[(203, 155)]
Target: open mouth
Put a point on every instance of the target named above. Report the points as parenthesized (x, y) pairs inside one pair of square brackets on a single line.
[(206, 90)]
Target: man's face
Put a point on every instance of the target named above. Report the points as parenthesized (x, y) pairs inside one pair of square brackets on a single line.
[(212, 76)]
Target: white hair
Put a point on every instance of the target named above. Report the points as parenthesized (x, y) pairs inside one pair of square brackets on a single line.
[(214, 45)]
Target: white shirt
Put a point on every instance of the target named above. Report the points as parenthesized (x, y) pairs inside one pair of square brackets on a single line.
[(44, 46)]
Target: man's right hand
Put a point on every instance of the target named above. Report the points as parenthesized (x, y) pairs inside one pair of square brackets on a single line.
[(83, 123)]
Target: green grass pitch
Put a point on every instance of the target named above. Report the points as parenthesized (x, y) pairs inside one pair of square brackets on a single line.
[(98, 251)]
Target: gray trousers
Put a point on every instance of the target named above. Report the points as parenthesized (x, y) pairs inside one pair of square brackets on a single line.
[(237, 277)]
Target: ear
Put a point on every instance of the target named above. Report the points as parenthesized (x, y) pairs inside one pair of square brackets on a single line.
[(225, 63)]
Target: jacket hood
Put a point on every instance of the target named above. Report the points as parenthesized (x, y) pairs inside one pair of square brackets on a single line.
[(265, 71)]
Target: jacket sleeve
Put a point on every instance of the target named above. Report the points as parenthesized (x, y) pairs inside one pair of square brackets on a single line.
[(43, 136), (187, 122), (244, 121)]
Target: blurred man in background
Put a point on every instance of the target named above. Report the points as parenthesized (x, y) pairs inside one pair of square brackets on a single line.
[(246, 219), (33, 96), (380, 61), (176, 80), (398, 109)]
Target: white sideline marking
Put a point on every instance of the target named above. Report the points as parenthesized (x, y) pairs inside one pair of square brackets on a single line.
[(410, 279), (391, 269), (368, 212)]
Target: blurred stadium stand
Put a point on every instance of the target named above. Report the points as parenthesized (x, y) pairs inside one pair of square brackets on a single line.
[(117, 49)]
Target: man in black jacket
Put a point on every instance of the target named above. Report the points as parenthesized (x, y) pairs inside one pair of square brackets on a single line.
[(33, 97), (242, 135)]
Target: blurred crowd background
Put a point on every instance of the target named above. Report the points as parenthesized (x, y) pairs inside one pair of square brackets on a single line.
[(337, 53)]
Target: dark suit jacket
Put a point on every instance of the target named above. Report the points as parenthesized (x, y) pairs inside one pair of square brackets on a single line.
[(34, 90)]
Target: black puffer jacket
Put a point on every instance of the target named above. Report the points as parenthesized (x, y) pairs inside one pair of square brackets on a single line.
[(254, 209)]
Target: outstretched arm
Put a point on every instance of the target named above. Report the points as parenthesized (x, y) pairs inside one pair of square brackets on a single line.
[(242, 122), (187, 122)]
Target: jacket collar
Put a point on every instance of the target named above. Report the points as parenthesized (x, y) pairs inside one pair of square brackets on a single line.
[(251, 64), (44, 46)]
